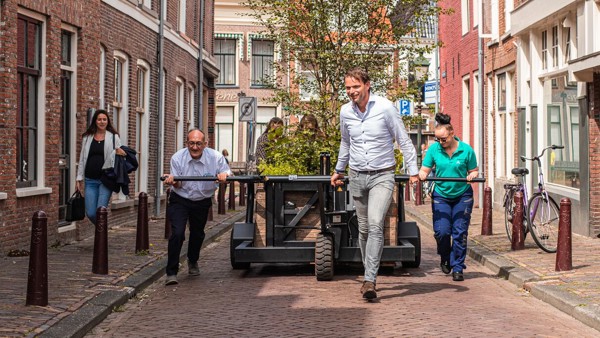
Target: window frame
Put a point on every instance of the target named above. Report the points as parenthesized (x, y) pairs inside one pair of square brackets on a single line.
[(266, 67), (220, 55)]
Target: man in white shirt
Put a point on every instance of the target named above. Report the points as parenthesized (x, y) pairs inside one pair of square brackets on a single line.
[(191, 200), (369, 125)]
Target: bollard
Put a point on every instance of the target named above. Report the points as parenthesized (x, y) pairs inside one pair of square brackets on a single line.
[(242, 194), (221, 198), (100, 261), (486, 223), (564, 253), (232, 195), (518, 236), (210, 213), (167, 220), (407, 192), (142, 241), (37, 278), (419, 193)]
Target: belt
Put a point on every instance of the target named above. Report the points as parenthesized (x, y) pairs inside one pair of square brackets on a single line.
[(378, 171)]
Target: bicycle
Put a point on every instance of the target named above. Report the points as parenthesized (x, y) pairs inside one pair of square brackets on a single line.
[(426, 188), (540, 212)]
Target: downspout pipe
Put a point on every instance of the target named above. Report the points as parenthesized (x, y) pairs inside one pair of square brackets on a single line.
[(161, 104), (200, 70)]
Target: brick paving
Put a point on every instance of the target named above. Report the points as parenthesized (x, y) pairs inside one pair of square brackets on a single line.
[(288, 301), (71, 283)]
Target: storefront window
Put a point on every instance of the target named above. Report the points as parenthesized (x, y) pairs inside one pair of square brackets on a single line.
[(563, 129)]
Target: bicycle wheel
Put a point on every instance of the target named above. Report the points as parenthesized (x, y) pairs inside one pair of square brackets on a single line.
[(509, 213), (544, 216)]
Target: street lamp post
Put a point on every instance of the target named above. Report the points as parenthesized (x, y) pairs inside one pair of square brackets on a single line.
[(421, 68)]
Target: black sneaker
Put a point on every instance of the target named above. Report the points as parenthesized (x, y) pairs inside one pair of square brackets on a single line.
[(445, 266), (458, 276)]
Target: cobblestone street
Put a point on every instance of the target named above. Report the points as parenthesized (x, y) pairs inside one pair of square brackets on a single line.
[(286, 300)]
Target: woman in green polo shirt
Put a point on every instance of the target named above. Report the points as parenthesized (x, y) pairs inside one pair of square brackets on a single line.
[(452, 202)]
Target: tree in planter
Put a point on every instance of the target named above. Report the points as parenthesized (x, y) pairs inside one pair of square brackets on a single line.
[(318, 41)]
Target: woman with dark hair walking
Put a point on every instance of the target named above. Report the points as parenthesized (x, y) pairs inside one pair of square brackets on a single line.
[(275, 124), (452, 202), (99, 145)]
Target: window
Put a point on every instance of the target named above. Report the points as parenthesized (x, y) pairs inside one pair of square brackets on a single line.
[(545, 50), (29, 77), (555, 46), (567, 44), (563, 129), (148, 3), (182, 14), (101, 76), (307, 82), (191, 102), (508, 7), (262, 62), (179, 114), (502, 91), (465, 11), (224, 130), (142, 125), (120, 87), (226, 61)]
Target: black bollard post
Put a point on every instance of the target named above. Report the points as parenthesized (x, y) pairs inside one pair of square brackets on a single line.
[(564, 254), (142, 241), (100, 261), (486, 223), (221, 197), (210, 213), (242, 194), (232, 195), (518, 235), (167, 221), (37, 278)]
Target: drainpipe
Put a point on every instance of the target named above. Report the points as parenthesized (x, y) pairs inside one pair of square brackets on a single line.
[(482, 122), (201, 68), (161, 103)]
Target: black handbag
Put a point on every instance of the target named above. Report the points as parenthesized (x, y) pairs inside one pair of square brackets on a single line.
[(75, 207)]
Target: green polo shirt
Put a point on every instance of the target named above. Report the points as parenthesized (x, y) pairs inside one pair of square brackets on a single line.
[(457, 165)]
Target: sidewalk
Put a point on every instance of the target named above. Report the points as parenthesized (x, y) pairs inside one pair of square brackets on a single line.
[(575, 292), (78, 299)]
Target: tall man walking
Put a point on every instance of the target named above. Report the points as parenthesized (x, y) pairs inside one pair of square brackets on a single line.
[(369, 125), (191, 200)]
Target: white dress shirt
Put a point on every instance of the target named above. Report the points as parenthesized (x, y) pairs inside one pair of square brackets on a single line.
[(210, 163), (368, 138)]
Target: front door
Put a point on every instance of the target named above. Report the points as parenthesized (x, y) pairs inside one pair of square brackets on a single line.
[(64, 184)]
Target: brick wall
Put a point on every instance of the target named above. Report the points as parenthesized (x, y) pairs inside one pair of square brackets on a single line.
[(594, 161), (97, 24)]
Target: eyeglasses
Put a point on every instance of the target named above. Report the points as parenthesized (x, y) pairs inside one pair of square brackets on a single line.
[(442, 139), (197, 144)]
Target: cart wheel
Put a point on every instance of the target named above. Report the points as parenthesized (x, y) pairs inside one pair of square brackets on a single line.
[(234, 265), (324, 257), (417, 244)]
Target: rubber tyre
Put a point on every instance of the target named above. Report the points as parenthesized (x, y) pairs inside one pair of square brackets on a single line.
[(324, 261), (547, 237), (234, 265), (417, 244)]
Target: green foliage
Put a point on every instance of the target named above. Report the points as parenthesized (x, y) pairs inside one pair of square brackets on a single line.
[(318, 41)]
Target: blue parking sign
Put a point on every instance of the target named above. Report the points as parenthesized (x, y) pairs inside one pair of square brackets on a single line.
[(404, 107)]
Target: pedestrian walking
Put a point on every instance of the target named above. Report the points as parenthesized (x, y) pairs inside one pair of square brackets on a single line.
[(100, 142), (452, 202), (190, 200), (369, 126)]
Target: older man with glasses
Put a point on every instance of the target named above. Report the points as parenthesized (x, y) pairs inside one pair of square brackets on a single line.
[(191, 200)]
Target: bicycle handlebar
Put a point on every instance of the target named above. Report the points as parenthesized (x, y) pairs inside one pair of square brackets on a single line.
[(537, 158), (308, 178)]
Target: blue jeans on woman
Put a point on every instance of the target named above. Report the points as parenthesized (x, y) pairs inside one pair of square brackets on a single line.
[(96, 195), (451, 219)]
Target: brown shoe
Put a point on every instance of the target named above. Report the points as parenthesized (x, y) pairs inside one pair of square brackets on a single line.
[(368, 290)]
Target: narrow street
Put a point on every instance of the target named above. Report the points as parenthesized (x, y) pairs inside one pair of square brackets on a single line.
[(287, 300)]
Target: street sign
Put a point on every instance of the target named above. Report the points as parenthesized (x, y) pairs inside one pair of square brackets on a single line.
[(404, 107), (430, 92), (247, 108)]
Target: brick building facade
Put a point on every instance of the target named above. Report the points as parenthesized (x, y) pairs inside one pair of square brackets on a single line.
[(61, 60)]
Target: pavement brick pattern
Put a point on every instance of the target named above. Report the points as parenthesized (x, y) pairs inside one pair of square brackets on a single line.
[(287, 301)]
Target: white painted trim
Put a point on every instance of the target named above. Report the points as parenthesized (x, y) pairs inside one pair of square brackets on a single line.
[(33, 191), (3, 195)]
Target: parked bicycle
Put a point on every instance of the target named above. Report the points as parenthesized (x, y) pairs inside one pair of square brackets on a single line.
[(541, 213), (426, 188)]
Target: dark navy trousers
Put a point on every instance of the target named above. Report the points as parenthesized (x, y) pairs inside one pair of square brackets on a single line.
[(179, 212), (451, 219)]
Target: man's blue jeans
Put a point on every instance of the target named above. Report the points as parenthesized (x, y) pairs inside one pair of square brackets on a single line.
[(451, 219), (96, 195), (372, 195)]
